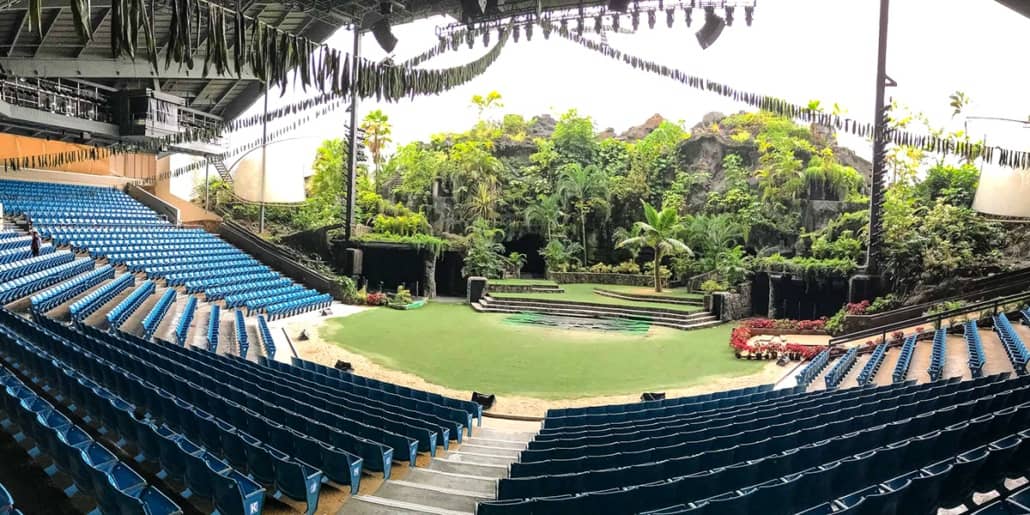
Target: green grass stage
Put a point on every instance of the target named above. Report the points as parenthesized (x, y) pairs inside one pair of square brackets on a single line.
[(452, 345), (675, 293), (585, 293), (519, 282)]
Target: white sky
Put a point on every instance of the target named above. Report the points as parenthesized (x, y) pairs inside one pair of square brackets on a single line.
[(796, 49)]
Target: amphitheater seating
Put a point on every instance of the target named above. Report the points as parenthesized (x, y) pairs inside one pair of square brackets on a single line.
[(182, 327), (49, 299), (977, 358), (830, 449), (120, 313), (157, 313), (266, 337), (240, 327), (213, 328), (87, 305), (872, 366), (554, 413), (938, 354), (1013, 344), (18, 254), (814, 368), (108, 223), (840, 369), (95, 469), (904, 359), (29, 284), (474, 409), (15, 269)]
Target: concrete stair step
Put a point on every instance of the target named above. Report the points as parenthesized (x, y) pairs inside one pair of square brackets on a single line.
[(480, 485), (490, 451), (434, 496), (708, 321), (497, 444), (599, 313), (470, 469), (649, 298), (374, 505), (480, 459), (500, 434), (514, 301)]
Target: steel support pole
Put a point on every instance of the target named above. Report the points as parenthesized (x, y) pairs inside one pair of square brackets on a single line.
[(879, 149), (207, 185), (352, 154), (264, 160)]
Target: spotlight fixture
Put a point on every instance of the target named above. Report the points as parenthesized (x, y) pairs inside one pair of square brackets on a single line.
[(670, 17), (380, 28), (615, 22), (529, 31), (579, 26), (749, 15), (618, 5), (470, 39), (486, 38), (711, 30), (515, 31), (635, 20), (690, 15), (651, 19), (729, 16), (598, 24)]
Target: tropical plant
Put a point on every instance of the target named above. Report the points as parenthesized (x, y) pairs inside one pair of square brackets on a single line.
[(516, 260), (377, 136), (483, 104), (546, 212), (483, 256), (586, 190), (559, 256), (658, 231)]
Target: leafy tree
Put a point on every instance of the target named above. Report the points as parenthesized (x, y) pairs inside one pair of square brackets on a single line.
[(546, 212), (586, 190), (558, 256), (484, 104), (516, 260), (574, 139), (483, 256), (658, 231), (377, 136), (955, 185)]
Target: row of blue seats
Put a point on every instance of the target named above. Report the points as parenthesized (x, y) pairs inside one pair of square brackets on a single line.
[(118, 233), (286, 295), (799, 478), (84, 307), (157, 313), (50, 299), (904, 359), (182, 327), (240, 326), (232, 493), (96, 470), (705, 448), (240, 299), (974, 345), (619, 408), (213, 328), (230, 273), (200, 267), (15, 242), (474, 409), (112, 215), (266, 337), (244, 403), (121, 312), (200, 286), (29, 284), (95, 220), (1010, 503), (7, 233), (295, 307), (221, 292), (938, 354), (160, 252), (1013, 344), (814, 368), (455, 420), (16, 269), (868, 373), (573, 421), (840, 369), (20, 253)]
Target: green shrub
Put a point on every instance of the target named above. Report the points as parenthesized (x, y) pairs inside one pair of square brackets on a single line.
[(600, 268), (626, 267), (711, 286), (402, 297), (884, 303)]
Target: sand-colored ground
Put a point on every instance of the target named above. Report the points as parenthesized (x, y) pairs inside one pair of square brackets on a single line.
[(318, 350)]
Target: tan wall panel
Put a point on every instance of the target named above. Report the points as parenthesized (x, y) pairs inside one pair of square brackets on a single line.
[(132, 166), (1003, 192)]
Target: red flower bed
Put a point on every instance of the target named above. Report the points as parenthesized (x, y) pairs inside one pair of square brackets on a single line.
[(857, 308), (786, 324), (376, 299), (741, 335)]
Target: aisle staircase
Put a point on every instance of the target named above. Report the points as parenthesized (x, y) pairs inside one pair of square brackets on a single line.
[(453, 482), (656, 316)]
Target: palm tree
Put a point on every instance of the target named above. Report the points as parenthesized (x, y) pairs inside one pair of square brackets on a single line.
[(658, 231), (482, 203), (377, 135), (586, 189), (516, 260), (545, 212)]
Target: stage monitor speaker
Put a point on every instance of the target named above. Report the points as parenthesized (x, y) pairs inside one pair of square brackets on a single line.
[(652, 396), (476, 289), (355, 261), (486, 400)]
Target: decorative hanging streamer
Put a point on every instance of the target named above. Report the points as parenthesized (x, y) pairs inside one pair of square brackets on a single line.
[(969, 151)]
